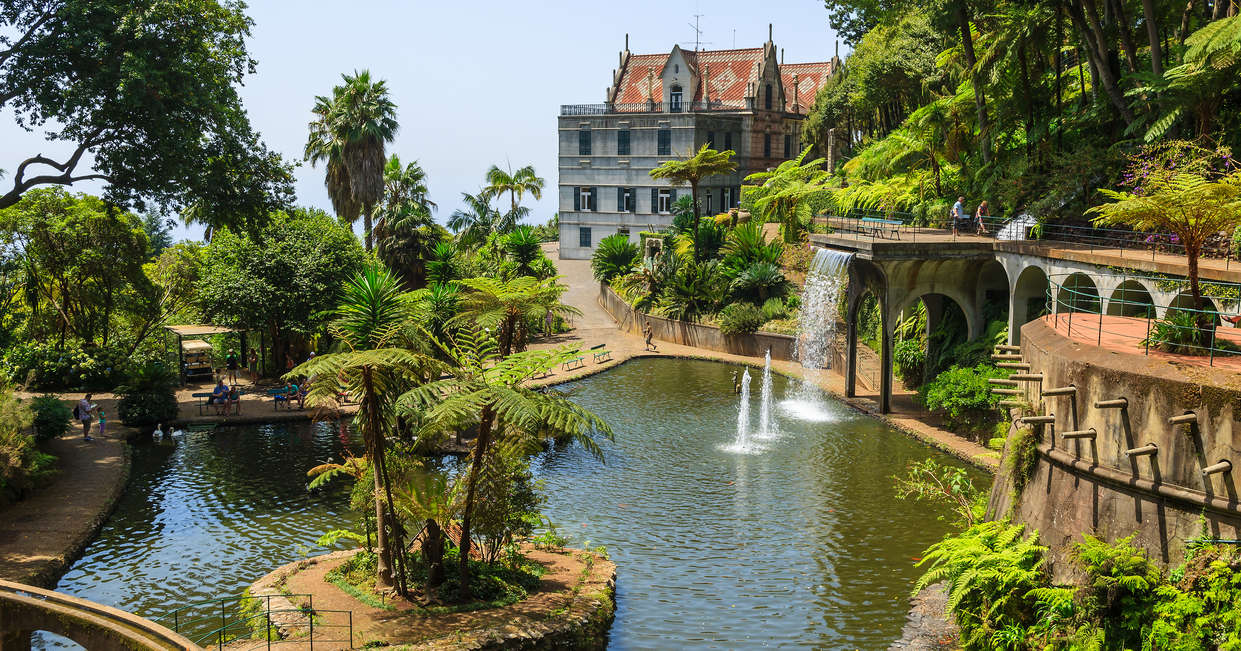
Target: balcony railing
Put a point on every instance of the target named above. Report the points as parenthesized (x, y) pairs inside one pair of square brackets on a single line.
[(655, 107)]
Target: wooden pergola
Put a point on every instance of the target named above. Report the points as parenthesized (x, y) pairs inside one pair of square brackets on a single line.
[(197, 331)]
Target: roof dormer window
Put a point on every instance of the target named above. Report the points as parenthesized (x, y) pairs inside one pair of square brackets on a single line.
[(767, 98), (674, 99), (676, 68)]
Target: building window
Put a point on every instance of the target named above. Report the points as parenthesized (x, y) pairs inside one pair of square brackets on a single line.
[(728, 140), (665, 201), (624, 199), (767, 98), (711, 139), (674, 99), (583, 237), (583, 141), (664, 144), (788, 145), (766, 145), (708, 201), (586, 198), (728, 198), (622, 142)]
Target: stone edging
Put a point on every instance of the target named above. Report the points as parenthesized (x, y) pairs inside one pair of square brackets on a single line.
[(583, 624)]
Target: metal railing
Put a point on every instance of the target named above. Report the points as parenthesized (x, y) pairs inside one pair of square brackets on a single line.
[(609, 108), (228, 613), (1132, 319)]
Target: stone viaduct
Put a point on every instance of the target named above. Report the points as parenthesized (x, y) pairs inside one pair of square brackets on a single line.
[(973, 271)]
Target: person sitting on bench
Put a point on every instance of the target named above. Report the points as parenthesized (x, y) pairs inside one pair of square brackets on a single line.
[(290, 394), (219, 394)]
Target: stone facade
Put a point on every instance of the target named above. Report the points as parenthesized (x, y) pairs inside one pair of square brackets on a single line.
[(664, 106)]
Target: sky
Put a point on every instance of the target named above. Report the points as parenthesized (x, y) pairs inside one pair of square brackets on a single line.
[(475, 83)]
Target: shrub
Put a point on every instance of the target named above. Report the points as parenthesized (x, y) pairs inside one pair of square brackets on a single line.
[(964, 396), (615, 256), (51, 418), (774, 308), (741, 319), (149, 397), (909, 357), (760, 282), (22, 465), (48, 366)]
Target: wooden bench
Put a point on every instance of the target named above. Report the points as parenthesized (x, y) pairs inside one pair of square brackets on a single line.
[(205, 396), (601, 354), (573, 362), (877, 226)]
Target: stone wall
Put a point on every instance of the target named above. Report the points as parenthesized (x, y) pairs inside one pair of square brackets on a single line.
[(695, 334), (1092, 486)]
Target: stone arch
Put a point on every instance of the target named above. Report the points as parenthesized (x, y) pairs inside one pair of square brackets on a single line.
[(1131, 298), (1185, 301), (1077, 292), (866, 277), (1027, 300), (992, 292), (939, 307)]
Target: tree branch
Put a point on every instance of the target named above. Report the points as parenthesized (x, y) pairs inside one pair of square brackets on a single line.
[(47, 15), (66, 177)]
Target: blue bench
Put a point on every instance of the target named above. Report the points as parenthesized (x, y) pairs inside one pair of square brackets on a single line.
[(205, 396), (877, 226)]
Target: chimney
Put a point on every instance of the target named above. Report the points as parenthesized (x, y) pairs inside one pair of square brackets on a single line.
[(781, 56), (627, 42), (768, 32), (706, 83), (796, 108)]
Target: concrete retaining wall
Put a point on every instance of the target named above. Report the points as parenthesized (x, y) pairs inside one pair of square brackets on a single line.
[(695, 334), (1080, 486)]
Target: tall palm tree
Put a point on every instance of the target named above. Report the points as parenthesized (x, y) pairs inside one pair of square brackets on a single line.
[(325, 146), (489, 388), (505, 306), (706, 163), (516, 184), (374, 368), (356, 124), (405, 234), (475, 221)]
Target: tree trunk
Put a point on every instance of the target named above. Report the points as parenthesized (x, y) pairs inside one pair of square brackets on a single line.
[(433, 553), (1085, 18), (480, 453), (1152, 35), (1184, 29), (1126, 36), (374, 441), (980, 100), (693, 196), (1220, 6), (366, 225)]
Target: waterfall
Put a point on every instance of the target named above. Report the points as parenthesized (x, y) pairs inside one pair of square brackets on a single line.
[(742, 444), (816, 327), (765, 427)]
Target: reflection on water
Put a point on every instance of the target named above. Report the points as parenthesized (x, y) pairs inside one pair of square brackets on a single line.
[(803, 544), (208, 515)]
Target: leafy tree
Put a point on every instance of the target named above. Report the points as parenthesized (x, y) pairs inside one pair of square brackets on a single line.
[(615, 256), (786, 193), (405, 234), (145, 95), (516, 184), (374, 368), (285, 282), (506, 307), (474, 223), (695, 290), (486, 387), (353, 127), (1179, 188), (705, 163)]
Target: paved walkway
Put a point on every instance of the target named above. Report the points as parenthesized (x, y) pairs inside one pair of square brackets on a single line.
[(1123, 334), (596, 326)]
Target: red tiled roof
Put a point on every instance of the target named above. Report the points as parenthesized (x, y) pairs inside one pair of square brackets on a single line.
[(727, 74), (810, 78)]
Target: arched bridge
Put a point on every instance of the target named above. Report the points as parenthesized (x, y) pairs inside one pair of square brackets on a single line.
[(900, 266), (25, 609)]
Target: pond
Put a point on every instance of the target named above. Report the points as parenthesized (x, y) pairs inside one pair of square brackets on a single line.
[(799, 542)]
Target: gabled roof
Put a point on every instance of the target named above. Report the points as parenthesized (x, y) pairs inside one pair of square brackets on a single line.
[(810, 78)]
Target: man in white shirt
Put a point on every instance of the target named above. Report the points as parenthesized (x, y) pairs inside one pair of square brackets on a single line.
[(83, 414), (958, 213)]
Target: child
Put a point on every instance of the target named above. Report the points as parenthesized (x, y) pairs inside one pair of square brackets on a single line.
[(103, 421)]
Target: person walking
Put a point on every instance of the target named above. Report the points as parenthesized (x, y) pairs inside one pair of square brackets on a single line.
[(82, 413), (958, 214), (980, 217), (103, 422), (650, 335), (232, 363)]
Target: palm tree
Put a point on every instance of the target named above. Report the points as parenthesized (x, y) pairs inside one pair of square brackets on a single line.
[(489, 388), (373, 369), (504, 307), (706, 163), (405, 234), (515, 184), (522, 248), (324, 145), (352, 130), (785, 192), (475, 222)]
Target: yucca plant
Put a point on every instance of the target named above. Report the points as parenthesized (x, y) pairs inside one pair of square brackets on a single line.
[(615, 256), (759, 282), (521, 249), (746, 245)]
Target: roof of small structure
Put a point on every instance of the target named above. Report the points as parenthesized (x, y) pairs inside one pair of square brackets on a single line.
[(195, 345), (199, 330)]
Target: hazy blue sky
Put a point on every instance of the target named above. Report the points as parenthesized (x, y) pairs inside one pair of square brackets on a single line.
[(475, 83)]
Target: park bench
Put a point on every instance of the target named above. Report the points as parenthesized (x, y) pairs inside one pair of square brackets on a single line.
[(601, 354), (876, 226), (204, 396), (571, 363), (278, 396)]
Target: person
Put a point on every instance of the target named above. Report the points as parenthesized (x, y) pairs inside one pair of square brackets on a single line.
[(219, 394), (980, 216), (958, 213), (288, 360), (234, 400), (232, 363), (252, 364), (289, 394), (103, 421), (650, 334), (82, 413)]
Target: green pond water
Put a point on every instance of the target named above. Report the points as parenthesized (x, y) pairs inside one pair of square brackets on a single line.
[(797, 541)]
